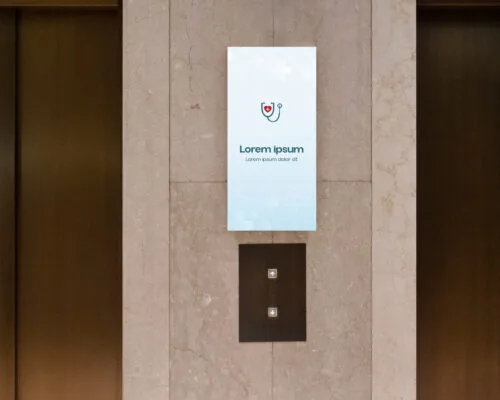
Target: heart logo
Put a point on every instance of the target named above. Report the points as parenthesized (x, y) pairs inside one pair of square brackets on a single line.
[(269, 112)]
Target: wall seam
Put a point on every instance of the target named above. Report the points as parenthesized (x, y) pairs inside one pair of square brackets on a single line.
[(371, 197), (272, 371), (274, 31), (272, 233), (169, 266)]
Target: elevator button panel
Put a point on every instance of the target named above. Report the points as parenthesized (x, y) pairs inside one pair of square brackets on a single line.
[(272, 286)]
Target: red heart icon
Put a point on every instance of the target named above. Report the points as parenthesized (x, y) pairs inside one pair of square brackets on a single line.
[(267, 108)]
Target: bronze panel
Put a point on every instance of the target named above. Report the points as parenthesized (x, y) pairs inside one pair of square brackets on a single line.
[(286, 292), (69, 205), (458, 3), (7, 203)]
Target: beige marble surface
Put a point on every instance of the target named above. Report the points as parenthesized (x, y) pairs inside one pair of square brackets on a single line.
[(341, 31), (394, 199), (145, 200), (207, 361), (335, 362), (183, 344), (200, 34)]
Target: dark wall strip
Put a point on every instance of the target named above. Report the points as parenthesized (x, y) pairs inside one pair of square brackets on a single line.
[(7, 203)]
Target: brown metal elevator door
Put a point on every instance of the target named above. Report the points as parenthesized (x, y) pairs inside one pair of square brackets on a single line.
[(459, 205), (68, 205)]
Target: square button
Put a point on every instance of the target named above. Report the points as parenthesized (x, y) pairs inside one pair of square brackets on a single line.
[(272, 312), (272, 273)]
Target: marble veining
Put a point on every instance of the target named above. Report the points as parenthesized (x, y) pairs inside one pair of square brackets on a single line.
[(394, 199), (145, 200), (341, 30), (201, 31), (207, 360), (182, 344), (335, 362)]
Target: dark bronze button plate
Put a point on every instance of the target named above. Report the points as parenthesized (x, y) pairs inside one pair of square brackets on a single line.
[(272, 284)]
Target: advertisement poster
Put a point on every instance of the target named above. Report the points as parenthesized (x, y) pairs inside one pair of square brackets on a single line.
[(271, 149)]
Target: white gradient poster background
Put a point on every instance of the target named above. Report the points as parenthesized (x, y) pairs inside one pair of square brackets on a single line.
[(271, 138)]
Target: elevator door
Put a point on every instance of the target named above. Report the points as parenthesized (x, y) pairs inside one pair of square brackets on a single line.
[(68, 313), (458, 205)]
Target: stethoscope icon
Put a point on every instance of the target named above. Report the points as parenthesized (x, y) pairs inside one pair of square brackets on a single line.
[(270, 117)]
